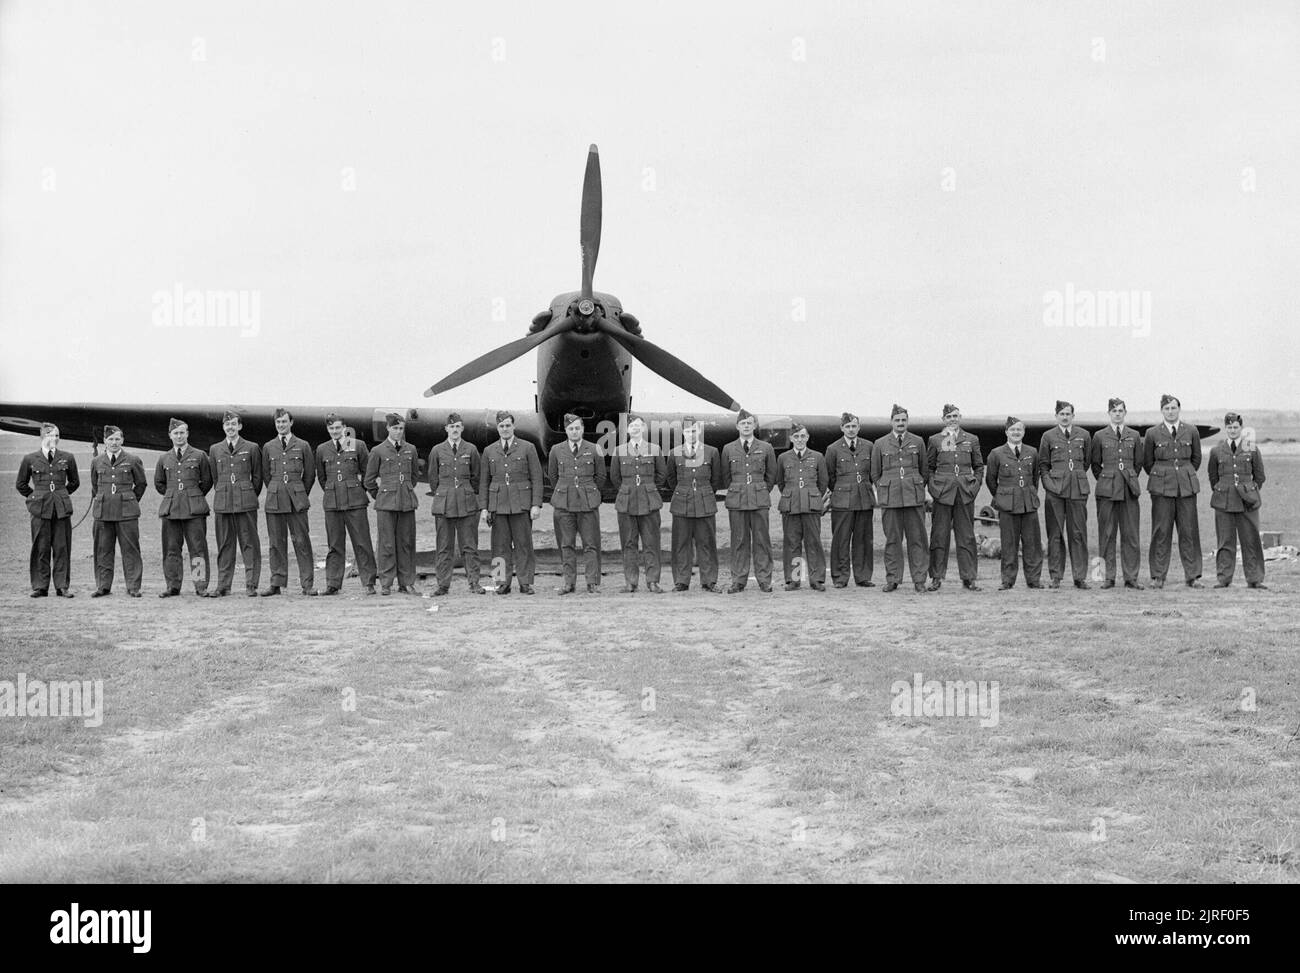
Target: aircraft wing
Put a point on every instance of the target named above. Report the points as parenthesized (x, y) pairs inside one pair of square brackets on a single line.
[(144, 426)]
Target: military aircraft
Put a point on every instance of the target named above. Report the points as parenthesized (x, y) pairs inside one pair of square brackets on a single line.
[(586, 346)]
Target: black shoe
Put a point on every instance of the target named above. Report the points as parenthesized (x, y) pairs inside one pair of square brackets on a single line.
[(477, 589), (817, 585), (563, 589), (1108, 583), (919, 586), (840, 584), (891, 586), (1257, 585), (735, 589), (791, 585), (593, 589), (627, 589), (526, 589), (681, 587), (385, 591), (330, 591), (1054, 583), (1135, 585), (173, 593), (503, 589), (936, 584), (1217, 584), (218, 593), (765, 586), (403, 589), (270, 592), (710, 587), (866, 584), (971, 586), (1036, 584), (1005, 587), (1195, 583), (64, 593), (653, 588), (1082, 585), (439, 591), (133, 594), (370, 590), (100, 593), (37, 593), (1157, 583), (309, 592), (252, 592)]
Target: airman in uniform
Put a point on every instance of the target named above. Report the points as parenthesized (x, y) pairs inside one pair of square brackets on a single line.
[(510, 493), (1116, 458), (748, 475), (1171, 455), (341, 463), (1236, 475), (392, 471), (1012, 479), (290, 471), (47, 478), (454, 470), (693, 478), (183, 476), (1063, 467), (900, 470), (576, 469), (117, 482), (237, 476), (853, 502), (637, 471), (956, 471), (801, 478)]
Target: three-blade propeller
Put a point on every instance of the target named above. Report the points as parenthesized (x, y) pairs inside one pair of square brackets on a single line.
[(590, 316)]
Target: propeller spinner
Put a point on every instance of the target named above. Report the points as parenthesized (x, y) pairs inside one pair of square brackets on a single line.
[(588, 316)]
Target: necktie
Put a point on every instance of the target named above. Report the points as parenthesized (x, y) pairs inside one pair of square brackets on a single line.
[(284, 443), (180, 454), (799, 453), (1234, 445), (455, 449), (231, 444), (1117, 432), (900, 440), (574, 447), (746, 447), (1017, 449), (338, 446), (636, 449), (49, 457), (853, 446), (506, 447), (690, 452)]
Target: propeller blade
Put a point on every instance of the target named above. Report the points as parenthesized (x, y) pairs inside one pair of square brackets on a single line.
[(668, 366), (500, 356), (589, 229)]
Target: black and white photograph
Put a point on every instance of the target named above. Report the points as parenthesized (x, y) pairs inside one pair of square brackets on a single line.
[(654, 444)]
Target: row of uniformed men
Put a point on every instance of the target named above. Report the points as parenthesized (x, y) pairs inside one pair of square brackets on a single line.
[(506, 484)]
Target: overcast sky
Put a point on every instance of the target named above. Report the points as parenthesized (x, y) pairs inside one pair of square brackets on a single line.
[(819, 205)]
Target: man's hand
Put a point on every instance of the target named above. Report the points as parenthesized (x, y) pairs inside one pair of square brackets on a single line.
[(536, 512), (488, 517), (826, 498)]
